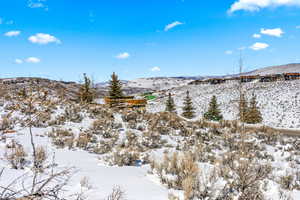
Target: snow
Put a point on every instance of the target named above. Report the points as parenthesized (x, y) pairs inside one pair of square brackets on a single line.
[(133, 180), (279, 101)]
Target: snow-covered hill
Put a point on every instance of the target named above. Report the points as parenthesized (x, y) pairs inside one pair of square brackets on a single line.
[(289, 68), (159, 83), (279, 101)]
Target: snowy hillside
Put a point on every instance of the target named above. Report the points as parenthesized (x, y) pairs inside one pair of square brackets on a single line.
[(155, 83), (289, 68), (279, 101)]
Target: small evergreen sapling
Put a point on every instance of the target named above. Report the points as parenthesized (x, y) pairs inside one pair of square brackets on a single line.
[(243, 108), (115, 87), (87, 93), (170, 105), (253, 115), (213, 112), (188, 108)]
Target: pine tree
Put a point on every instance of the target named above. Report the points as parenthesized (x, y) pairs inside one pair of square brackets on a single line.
[(115, 87), (170, 105), (243, 108), (86, 91), (213, 112), (188, 109), (253, 115)]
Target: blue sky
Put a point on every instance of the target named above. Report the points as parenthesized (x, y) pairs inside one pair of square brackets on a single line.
[(61, 39)]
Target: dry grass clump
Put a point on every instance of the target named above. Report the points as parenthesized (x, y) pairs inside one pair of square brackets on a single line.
[(177, 170), (290, 181), (123, 157), (152, 140), (83, 140), (167, 123), (15, 155), (73, 113), (245, 175), (5, 123), (42, 120), (104, 146), (41, 156), (104, 127), (116, 194), (62, 138)]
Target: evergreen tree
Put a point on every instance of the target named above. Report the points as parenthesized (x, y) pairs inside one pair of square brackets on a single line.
[(188, 109), (243, 108), (253, 115), (86, 91), (213, 112), (170, 105), (115, 87)]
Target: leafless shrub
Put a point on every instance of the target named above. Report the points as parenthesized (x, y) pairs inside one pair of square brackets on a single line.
[(289, 181), (73, 113), (83, 140), (41, 157), (5, 123), (116, 194), (123, 157), (246, 176), (178, 172), (16, 156)]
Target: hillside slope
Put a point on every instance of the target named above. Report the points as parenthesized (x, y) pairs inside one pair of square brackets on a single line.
[(279, 101), (289, 68)]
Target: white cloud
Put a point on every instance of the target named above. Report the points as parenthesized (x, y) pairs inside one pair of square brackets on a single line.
[(37, 4), (172, 25), (276, 32), (124, 55), (256, 5), (155, 69), (43, 38), (256, 35), (228, 52), (259, 46), (18, 61), (12, 33), (33, 60)]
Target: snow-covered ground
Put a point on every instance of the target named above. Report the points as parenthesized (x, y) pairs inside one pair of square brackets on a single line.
[(116, 141), (133, 180), (279, 101), (157, 83)]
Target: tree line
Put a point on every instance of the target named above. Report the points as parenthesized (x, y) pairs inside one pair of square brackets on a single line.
[(249, 111)]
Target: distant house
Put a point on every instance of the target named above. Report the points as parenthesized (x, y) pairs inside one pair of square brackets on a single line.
[(126, 102)]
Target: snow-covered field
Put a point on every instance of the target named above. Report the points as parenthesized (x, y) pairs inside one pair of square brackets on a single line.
[(157, 83), (135, 150), (279, 101)]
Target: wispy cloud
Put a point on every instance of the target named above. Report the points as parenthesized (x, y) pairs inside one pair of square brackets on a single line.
[(228, 52), (256, 35), (43, 38), (37, 4), (18, 61), (259, 46), (8, 22), (172, 25), (256, 5), (276, 32), (12, 33), (33, 60), (155, 69), (124, 55)]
